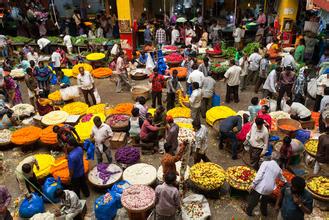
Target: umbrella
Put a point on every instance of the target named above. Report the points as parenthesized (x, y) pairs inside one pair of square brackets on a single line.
[(181, 20)]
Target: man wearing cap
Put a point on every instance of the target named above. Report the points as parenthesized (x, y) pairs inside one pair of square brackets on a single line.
[(172, 130)]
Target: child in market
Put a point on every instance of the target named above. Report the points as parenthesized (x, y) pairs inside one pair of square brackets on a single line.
[(26, 174), (135, 124), (254, 108), (285, 153)]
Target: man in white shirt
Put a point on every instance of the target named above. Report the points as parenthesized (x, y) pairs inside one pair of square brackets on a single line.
[(254, 61), (289, 60), (70, 204), (264, 184), (44, 45), (244, 64), (238, 34), (271, 83), (68, 43), (101, 133), (232, 78), (174, 36), (195, 76), (122, 74), (87, 85), (322, 82), (298, 111), (56, 60), (208, 90), (195, 101), (257, 139)]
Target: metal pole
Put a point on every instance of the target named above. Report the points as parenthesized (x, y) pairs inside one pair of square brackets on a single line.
[(235, 3)]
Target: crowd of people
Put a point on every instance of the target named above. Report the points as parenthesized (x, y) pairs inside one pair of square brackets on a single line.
[(276, 77)]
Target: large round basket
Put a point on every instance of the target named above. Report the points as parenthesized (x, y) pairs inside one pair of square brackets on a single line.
[(121, 125), (95, 180), (238, 185), (284, 124), (241, 171), (138, 191), (138, 91), (5, 136), (312, 154), (174, 63), (314, 194), (140, 173), (138, 74)]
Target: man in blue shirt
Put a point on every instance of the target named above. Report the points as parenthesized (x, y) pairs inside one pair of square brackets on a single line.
[(76, 168), (295, 201)]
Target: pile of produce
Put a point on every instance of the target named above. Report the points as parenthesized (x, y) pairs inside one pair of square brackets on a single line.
[(104, 173), (186, 134), (174, 58), (178, 170), (250, 48), (127, 155), (287, 127), (60, 168), (214, 51), (185, 125), (319, 185), (194, 209), (54, 118), (179, 112), (17, 73), (76, 108), (26, 135), (101, 72), (279, 184), (118, 120), (55, 96), (19, 39), (183, 99), (55, 39), (184, 122), (169, 48), (96, 109), (138, 197), (240, 177), (5, 136), (86, 66), (23, 109), (279, 115), (229, 52), (99, 41), (48, 136), (182, 72), (123, 108), (44, 162), (68, 72), (140, 173), (84, 127), (207, 176), (218, 112), (218, 68), (311, 146), (80, 40), (95, 56)]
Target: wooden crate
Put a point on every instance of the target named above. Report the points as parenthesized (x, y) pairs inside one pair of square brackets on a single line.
[(119, 139)]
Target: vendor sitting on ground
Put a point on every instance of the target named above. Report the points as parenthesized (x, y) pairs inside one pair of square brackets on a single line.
[(149, 132), (63, 80), (26, 174), (299, 111), (70, 204), (169, 158), (43, 105)]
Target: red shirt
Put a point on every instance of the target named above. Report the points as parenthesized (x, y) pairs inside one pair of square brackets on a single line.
[(157, 82), (266, 117), (146, 129)]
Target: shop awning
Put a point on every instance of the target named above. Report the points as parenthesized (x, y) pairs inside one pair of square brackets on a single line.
[(324, 4)]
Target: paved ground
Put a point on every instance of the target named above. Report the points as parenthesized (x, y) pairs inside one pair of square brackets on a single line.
[(224, 208)]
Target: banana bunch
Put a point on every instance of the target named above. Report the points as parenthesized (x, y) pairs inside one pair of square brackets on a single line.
[(240, 177), (312, 146), (208, 176), (319, 185)]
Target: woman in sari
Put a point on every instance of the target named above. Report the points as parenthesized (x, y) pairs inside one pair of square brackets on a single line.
[(12, 89)]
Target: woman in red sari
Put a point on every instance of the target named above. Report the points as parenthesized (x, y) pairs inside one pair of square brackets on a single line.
[(263, 113)]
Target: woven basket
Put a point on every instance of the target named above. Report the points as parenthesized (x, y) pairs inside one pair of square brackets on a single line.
[(119, 126), (307, 151), (291, 122), (138, 91), (314, 194), (238, 185), (109, 183), (139, 76)]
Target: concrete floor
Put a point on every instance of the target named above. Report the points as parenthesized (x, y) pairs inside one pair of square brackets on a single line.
[(224, 208)]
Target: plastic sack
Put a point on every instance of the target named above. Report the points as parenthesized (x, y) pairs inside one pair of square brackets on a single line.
[(43, 216), (149, 62), (161, 63), (53, 80), (70, 93), (303, 135), (32, 206), (215, 101), (106, 206), (97, 96), (199, 199), (90, 148), (311, 88), (115, 49), (118, 188), (49, 188)]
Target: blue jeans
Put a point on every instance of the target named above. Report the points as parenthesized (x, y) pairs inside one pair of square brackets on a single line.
[(234, 142)]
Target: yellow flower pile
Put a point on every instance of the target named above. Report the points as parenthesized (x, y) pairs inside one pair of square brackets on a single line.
[(151, 111), (44, 161), (86, 66), (185, 125), (68, 72), (240, 177), (95, 56), (84, 128), (218, 112), (319, 185), (95, 109), (179, 112), (55, 96), (54, 118), (76, 108), (182, 99), (311, 146), (108, 111), (207, 176)]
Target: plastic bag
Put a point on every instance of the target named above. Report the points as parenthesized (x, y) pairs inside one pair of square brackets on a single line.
[(97, 96), (303, 135), (32, 206), (311, 88), (106, 206), (199, 199), (70, 93), (215, 101), (115, 49), (49, 188), (118, 188), (149, 62), (90, 148)]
